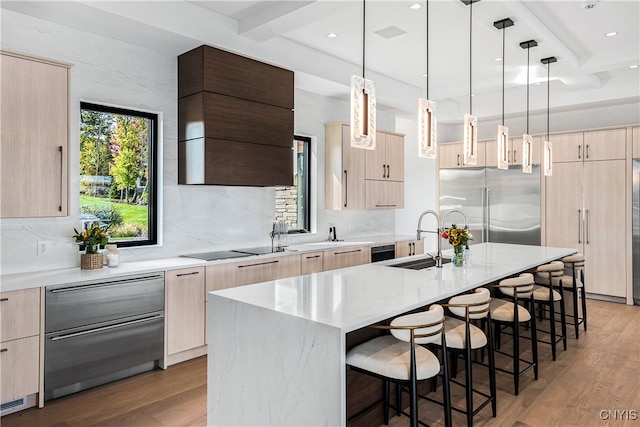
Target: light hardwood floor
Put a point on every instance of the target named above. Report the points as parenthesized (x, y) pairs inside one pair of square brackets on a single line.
[(598, 372)]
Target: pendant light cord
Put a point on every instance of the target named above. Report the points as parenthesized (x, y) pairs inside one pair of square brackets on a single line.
[(528, 50), (470, 56), (548, 92), (363, 33), (427, 10), (503, 60)]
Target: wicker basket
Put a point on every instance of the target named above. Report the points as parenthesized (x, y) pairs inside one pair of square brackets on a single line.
[(90, 261)]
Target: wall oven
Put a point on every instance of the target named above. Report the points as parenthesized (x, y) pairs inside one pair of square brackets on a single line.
[(101, 331)]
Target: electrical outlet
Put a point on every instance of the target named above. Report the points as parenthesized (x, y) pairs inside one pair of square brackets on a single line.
[(42, 247)]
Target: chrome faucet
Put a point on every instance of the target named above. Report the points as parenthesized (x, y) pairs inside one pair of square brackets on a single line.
[(438, 257), (466, 221)]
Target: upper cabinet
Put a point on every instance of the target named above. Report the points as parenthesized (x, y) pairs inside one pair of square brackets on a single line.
[(235, 120), (450, 155), (35, 136), (636, 142), (356, 178), (589, 146), (514, 151)]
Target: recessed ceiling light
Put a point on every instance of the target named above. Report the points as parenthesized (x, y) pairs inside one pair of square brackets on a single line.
[(415, 6), (498, 59), (332, 35), (425, 75), (633, 66), (611, 34)]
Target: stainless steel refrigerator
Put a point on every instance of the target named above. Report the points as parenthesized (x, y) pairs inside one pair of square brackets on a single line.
[(636, 231), (501, 206)]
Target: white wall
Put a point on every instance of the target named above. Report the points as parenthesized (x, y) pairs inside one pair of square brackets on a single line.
[(195, 218)]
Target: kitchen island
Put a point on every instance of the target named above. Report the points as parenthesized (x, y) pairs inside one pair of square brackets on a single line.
[(276, 350)]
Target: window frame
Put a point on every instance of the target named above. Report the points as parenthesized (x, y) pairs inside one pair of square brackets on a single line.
[(307, 185), (153, 178)]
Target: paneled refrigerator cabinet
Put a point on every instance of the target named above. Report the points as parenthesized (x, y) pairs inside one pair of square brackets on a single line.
[(585, 205)]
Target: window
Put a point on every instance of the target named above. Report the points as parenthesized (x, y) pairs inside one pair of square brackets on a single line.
[(118, 158), (293, 204)]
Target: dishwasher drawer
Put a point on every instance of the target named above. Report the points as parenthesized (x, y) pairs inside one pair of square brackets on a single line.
[(81, 358), (71, 306)]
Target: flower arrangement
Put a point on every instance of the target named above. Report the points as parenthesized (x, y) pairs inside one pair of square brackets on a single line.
[(92, 237), (457, 237)]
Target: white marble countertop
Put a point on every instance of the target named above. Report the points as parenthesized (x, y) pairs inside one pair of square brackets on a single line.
[(19, 281), (355, 297)]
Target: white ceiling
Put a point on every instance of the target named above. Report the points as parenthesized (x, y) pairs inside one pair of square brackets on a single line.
[(592, 69)]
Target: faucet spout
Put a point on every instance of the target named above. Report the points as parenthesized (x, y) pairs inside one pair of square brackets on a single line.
[(444, 218), (437, 232)]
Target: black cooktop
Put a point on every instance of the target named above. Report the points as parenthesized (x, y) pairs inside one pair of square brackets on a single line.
[(212, 256), (260, 250)]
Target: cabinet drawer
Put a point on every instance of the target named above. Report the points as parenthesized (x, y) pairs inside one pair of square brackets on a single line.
[(255, 271), (312, 262), (346, 257), (19, 361), (19, 314)]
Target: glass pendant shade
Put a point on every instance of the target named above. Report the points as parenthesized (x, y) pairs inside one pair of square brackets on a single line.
[(363, 113), (527, 153), (503, 147), (427, 129), (470, 143), (547, 158)]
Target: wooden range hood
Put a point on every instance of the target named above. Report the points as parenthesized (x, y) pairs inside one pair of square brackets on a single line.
[(235, 120)]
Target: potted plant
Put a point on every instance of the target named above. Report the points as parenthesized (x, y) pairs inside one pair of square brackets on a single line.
[(91, 237)]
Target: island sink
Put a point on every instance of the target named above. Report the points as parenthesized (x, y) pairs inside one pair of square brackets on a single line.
[(419, 264)]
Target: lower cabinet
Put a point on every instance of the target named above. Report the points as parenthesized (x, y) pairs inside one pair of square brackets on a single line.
[(257, 270), (409, 248), (311, 262), (346, 257), (185, 309), (20, 365)]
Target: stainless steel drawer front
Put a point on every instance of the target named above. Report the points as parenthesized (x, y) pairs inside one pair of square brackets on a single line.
[(72, 306)]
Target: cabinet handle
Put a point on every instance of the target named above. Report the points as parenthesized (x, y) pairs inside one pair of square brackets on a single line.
[(2, 350), (514, 156), (579, 226), (4, 299), (61, 176), (384, 171), (587, 153), (187, 274), (579, 151), (388, 171), (347, 252), (587, 211), (413, 248), (458, 159), (258, 264), (312, 257), (384, 206), (346, 188)]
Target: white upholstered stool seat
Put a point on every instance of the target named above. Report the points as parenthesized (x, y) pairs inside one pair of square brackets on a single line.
[(389, 357), (567, 282), (541, 293), (455, 330), (503, 311)]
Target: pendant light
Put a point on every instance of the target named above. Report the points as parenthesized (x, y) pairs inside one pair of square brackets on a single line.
[(363, 103), (427, 124), (470, 142), (547, 158), (502, 141), (527, 142)]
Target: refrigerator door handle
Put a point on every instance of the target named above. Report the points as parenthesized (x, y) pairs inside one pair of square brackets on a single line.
[(579, 225), (488, 208)]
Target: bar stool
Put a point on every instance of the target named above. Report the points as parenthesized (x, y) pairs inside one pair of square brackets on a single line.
[(548, 277), (574, 283), (510, 314), (396, 358), (459, 331)]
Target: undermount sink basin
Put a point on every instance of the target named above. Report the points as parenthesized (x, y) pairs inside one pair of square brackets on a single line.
[(419, 264)]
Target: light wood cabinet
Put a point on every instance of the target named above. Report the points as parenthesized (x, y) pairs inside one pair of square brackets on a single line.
[(353, 175), (409, 248), (606, 144), (20, 346), (185, 309), (344, 170), (346, 257), (386, 162), (636, 143), (585, 210), (514, 151), (312, 262), (384, 194), (262, 269), (450, 155), (34, 137)]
